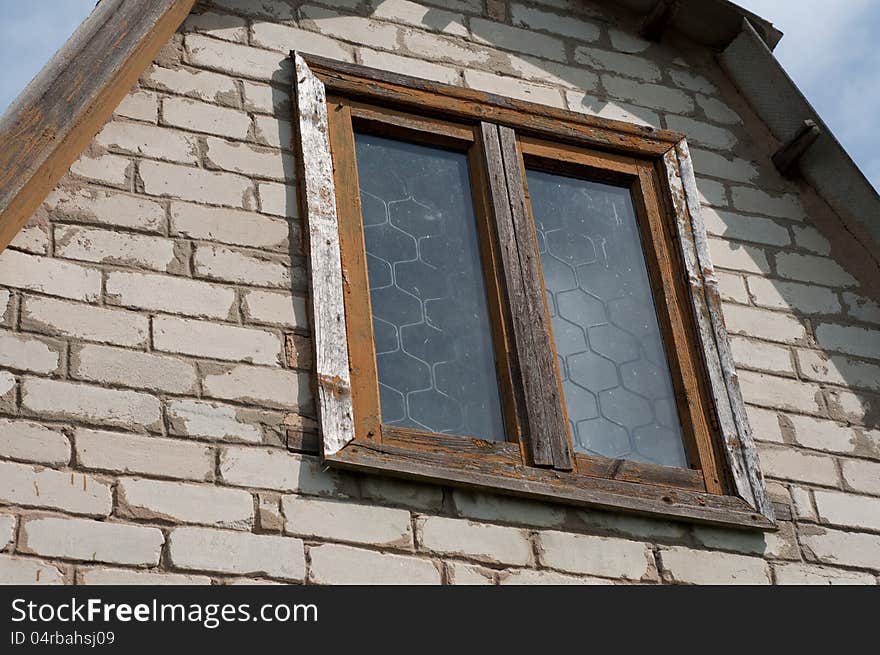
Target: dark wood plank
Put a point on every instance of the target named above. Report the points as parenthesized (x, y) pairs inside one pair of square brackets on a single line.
[(539, 364), (445, 466), (59, 113), (454, 102)]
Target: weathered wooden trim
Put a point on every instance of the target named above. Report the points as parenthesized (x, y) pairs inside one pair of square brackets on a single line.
[(59, 113), (325, 263), (453, 102), (407, 458), (736, 436)]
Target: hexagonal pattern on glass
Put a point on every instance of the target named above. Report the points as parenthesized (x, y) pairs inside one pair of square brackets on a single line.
[(434, 351), (615, 375)]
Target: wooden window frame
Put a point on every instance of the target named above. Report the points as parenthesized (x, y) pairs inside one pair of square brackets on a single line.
[(500, 135)]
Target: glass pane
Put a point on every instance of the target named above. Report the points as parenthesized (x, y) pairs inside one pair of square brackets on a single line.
[(616, 379), (431, 325)]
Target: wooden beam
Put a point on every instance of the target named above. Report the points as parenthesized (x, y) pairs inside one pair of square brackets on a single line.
[(660, 19), (59, 113), (788, 157)]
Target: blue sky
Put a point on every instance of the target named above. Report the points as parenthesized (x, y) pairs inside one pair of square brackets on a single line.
[(829, 50)]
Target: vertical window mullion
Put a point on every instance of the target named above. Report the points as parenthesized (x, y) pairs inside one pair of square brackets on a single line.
[(545, 421)]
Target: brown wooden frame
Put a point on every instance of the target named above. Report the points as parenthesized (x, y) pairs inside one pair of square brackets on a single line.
[(501, 135)]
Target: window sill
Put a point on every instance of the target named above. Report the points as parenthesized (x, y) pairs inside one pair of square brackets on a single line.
[(497, 469)]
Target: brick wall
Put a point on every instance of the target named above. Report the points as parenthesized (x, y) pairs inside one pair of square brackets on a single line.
[(155, 386)]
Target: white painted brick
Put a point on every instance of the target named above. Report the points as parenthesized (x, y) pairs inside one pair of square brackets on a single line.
[(131, 368), (196, 418), (139, 106), (530, 577), (443, 48), (810, 268), (228, 265), (211, 340), (27, 353), (76, 493), (732, 288), (624, 41), (149, 141), (745, 228), (816, 365), (269, 307), (5, 309), (621, 64), (203, 117), (857, 341), (780, 393), (195, 184), (92, 541), (357, 29), (104, 207), (535, 19), (273, 468), (49, 276), (654, 96), (489, 507), (185, 503), (276, 133), (738, 257), (512, 87), (407, 66), (781, 544), (711, 193), (862, 476), (128, 453), (169, 294), (752, 200), (109, 576), (468, 574), (386, 490), (221, 26), (809, 238), (7, 387), (852, 406), (32, 238), (109, 169), (249, 160), (787, 464), (718, 111), (32, 442), (238, 60), (761, 356), (269, 387), (7, 530), (21, 571), (345, 521), (58, 399), (519, 40), (715, 164), (804, 574), (772, 326), (483, 542), (764, 424), (546, 72), (228, 226), (239, 553), (689, 566), (803, 504), (848, 510), (692, 82), (418, 15), (279, 9), (864, 309), (336, 564), (824, 435), (119, 248), (805, 298), (599, 556), (266, 99), (846, 548), (284, 38), (614, 110), (200, 85), (703, 134)]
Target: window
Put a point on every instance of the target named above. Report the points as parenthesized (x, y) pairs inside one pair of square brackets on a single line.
[(518, 299)]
